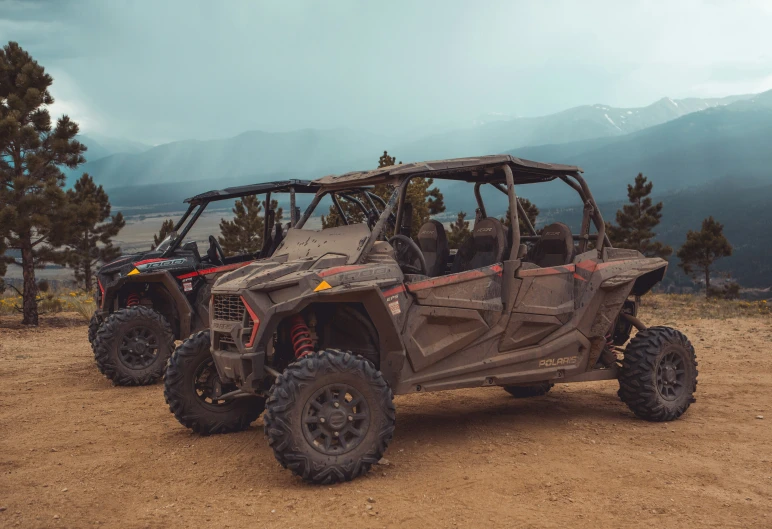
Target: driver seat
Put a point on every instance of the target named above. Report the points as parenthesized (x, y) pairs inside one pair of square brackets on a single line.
[(434, 245), (484, 248)]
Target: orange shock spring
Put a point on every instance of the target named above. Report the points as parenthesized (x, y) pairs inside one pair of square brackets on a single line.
[(300, 336), (132, 300)]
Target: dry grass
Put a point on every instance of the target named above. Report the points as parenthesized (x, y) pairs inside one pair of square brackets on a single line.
[(677, 306), (51, 302)]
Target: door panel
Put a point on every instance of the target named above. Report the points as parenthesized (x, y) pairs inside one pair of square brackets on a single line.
[(434, 333), (544, 303)]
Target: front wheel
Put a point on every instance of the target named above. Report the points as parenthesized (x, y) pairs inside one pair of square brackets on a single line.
[(132, 346), (330, 417), (192, 389), (658, 376)]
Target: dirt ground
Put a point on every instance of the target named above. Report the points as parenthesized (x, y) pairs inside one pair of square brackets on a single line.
[(76, 452)]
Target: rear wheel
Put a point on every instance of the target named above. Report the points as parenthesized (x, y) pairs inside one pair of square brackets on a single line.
[(132, 346), (192, 389), (523, 392), (658, 376), (329, 417)]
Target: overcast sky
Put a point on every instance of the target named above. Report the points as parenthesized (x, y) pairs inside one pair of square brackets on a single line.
[(163, 70)]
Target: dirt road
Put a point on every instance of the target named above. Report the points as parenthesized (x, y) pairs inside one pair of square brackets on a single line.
[(76, 452)]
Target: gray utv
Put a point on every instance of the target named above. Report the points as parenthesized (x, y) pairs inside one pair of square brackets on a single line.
[(337, 321)]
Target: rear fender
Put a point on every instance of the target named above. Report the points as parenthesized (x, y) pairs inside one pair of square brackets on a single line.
[(642, 273), (171, 289)]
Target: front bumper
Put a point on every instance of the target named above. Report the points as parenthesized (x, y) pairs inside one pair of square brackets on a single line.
[(245, 370)]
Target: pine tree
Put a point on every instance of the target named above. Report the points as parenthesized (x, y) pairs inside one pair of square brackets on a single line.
[(531, 212), (637, 220), (167, 227), (244, 234), (459, 231), (426, 200), (92, 228), (703, 248), (32, 198)]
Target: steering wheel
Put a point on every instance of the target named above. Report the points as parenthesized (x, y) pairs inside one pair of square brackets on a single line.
[(409, 256), (216, 245)]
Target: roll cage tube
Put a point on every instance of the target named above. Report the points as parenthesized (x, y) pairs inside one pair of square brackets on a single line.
[(513, 213), (397, 195), (177, 240), (334, 197), (591, 209), (521, 212)]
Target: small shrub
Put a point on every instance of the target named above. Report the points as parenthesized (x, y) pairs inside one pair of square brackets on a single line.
[(728, 291)]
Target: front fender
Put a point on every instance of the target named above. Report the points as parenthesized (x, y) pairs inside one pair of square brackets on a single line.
[(163, 278)]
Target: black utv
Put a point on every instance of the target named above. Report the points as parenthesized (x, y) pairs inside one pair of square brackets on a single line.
[(148, 300)]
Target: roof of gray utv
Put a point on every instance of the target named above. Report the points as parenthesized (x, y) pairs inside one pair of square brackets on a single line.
[(479, 169)]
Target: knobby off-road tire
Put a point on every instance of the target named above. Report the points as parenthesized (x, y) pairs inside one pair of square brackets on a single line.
[(658, 376), (188, 384), (93, 327), (329, 417), (132, 346), (523, 392)]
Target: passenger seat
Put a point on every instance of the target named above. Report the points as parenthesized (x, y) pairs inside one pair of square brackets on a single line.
[(555, 247), (484, 248), (434, 244)]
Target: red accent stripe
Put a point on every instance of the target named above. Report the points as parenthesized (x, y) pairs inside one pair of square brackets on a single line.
[(394, 290), (102, 289), (454, 278), (255, 320), (207, 271), (587, 266), (553, 270), (338, 270), (577, 276), (146, 261)]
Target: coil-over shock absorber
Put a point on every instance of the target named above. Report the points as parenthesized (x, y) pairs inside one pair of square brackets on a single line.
[(132, 300), (300, 336)]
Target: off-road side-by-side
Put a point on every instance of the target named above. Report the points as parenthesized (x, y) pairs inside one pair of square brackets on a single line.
[(74, 454), (147, 301), (336, 322)]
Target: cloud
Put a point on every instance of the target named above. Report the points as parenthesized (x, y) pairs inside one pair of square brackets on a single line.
[(158, 71)]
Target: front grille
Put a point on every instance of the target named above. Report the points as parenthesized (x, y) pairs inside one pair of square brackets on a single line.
[(228, 308)]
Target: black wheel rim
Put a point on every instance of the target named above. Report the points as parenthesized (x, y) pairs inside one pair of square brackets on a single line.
[(139, 348), (208, 386), (671, 375), (336, 419)]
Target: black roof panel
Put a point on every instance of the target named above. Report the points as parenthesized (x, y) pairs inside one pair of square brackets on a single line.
[(278, 186)]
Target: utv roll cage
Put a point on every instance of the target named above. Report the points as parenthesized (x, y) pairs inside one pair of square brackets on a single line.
[(502, 172), (197, 204)]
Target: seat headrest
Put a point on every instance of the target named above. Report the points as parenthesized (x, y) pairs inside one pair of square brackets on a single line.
[(433, 242), (489, 235), (555, 247), (430, 234)]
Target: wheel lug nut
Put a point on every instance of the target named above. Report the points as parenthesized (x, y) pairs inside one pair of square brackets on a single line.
[(321, 419), (350, 418), (337, 404), (335, 434)]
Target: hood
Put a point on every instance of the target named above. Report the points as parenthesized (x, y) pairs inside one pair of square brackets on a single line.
[(275, 273)]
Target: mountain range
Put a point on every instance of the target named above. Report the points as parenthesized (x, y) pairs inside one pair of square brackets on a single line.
[(259, 156), (704, 156)]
